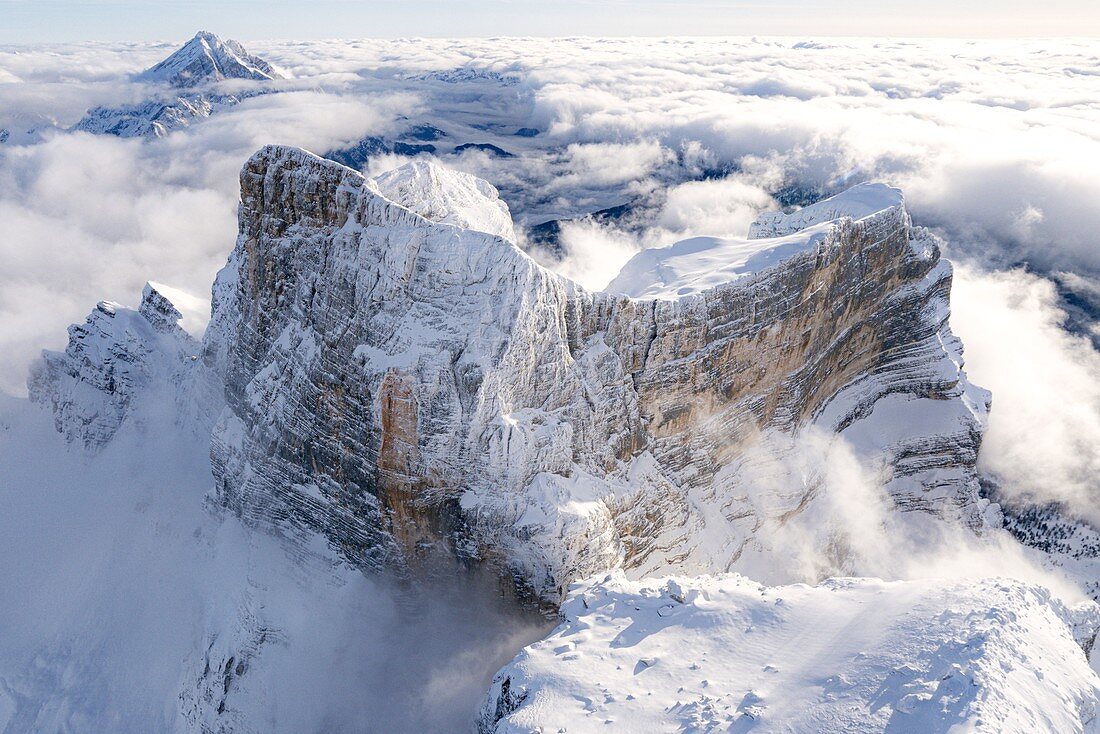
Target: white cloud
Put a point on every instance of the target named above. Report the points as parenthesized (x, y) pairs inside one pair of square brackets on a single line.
[(849, 526), (1043, 438), (89, 218), (723, 208), (595, 253)]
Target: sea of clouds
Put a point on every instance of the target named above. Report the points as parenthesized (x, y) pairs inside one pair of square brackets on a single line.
[(996, 144)]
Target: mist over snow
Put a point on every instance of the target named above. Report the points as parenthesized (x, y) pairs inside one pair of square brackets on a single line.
[(121, 585)]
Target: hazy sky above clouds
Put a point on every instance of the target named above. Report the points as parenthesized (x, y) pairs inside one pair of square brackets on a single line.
[(122, 20)]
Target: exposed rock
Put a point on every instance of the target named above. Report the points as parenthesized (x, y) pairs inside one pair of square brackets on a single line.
[(397, 383), (114, 356), (489, 148)]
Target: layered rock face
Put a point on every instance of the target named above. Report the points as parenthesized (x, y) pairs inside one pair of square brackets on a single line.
[(399, 383), (379, 365)]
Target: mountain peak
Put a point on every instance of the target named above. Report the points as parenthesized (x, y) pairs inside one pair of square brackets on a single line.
[(207, 58), (446, 195)]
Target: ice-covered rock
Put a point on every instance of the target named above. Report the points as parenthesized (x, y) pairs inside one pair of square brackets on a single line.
[(445, 195), (205, 59), (398, 383), (155, 118), (115, 355), (200, 63), (723, 653)]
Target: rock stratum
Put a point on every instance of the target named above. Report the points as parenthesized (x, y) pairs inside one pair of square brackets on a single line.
[(401, 382)]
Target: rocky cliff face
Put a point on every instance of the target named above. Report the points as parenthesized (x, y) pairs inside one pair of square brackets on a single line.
[(401, 384), (111, 359)]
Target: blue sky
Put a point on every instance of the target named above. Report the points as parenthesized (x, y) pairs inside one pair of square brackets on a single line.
[(124, 20)]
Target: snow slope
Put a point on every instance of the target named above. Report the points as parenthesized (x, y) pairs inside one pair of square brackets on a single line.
[(445, 195), (207, 58), (700, 263), (722, 653), (856, 203)]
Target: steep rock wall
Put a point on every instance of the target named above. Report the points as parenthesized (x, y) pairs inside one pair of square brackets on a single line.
[(401, 385)]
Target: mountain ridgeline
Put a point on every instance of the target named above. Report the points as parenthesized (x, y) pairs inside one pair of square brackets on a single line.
[(400, 378), (185, 89)]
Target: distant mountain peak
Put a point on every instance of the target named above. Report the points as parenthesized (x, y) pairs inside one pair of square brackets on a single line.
[(207, 58)]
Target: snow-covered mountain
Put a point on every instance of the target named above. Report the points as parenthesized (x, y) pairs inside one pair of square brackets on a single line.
[(206, 59), (114, 356), (155, 118), (389, 384), (448, 196), (395, 382), (199, 65)]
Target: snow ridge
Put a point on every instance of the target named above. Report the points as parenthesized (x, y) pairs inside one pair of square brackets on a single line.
[(853, 655), (445, 195), (111, 359), (206, 59)]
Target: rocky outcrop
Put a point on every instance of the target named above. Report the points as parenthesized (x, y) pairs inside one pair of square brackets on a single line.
[(401, 384), (111, 359)]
